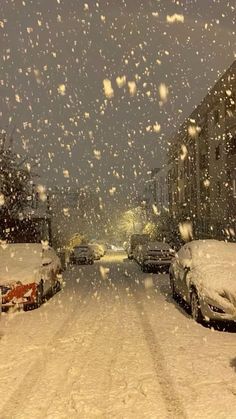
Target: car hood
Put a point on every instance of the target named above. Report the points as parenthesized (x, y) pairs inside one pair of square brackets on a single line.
[(217, 283), (21, 274), (20, 263)]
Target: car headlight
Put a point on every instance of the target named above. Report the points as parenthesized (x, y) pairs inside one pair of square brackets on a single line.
[(216, 309)]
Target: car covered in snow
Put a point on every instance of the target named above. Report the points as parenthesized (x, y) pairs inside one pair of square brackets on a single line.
[(203, 273), (102, 245), (134, 241), (97, 250), (153, 256), (28, 272), (82, 254), (117, 248)]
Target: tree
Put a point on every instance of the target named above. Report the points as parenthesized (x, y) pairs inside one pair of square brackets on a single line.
[(15, 185), (175, 231), (132, 221), (151, 229)]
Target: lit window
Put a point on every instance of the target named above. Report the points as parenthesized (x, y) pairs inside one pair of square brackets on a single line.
[(216, 116)]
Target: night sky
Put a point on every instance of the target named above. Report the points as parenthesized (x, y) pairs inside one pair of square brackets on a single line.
[(56, 55)]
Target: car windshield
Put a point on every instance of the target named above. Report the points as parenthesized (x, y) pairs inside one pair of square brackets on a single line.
[(117, 209)]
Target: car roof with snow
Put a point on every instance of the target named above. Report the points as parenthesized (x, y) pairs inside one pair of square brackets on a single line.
[(213, 266), (203, 251)]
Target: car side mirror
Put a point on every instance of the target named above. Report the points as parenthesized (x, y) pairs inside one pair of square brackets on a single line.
[(47, 261)]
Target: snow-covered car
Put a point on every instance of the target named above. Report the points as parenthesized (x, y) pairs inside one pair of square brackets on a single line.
[(117, 248), (97, 250), (203, 273), (134, 241), (82, 254), (153, 256), (102, 246), (28, 272)]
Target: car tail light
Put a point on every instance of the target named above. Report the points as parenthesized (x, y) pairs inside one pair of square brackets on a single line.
[(216, 309)]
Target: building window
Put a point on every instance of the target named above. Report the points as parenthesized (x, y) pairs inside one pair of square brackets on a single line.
[(230, 105), (218, 187), (234, 188), (216, 116), (217, 152), (203, 161), (232, 145)]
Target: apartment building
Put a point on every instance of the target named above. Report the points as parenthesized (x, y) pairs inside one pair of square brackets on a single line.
[(202, 161), (155, 192)]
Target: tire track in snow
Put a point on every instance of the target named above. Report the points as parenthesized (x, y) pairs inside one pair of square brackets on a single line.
[(88, 390), (173, 404), (25, 391), (14, 405)]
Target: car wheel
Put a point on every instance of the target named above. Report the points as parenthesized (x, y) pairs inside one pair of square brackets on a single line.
[(144, 268), (195, 308), (173, 291), (57, 287), (39, 295)]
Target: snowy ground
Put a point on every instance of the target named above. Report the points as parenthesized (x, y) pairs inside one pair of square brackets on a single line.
[(113, 344)]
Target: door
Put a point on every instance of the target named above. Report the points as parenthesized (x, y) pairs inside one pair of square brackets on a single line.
[(184, 263), (48, 274)]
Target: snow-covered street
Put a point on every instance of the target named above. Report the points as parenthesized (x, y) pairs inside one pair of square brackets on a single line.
[(113, 344)]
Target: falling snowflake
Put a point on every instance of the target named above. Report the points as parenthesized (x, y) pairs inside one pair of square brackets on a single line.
[(17, 97), (132, 88), (175, 18), (184, 152), (163, 92), (61, 89), (156, 127), (2, 200), (193, 131), (121, 81), (97, 154), (66, 173), (109, 92)]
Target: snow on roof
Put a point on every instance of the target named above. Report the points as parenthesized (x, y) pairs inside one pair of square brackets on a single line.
[(20, 262)]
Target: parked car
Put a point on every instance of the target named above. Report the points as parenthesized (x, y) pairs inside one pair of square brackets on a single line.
[(136, 240), (101, 244), (153, 256), (203, 274), (97, 250), (82, 254), (117, 248), (28, 272)]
